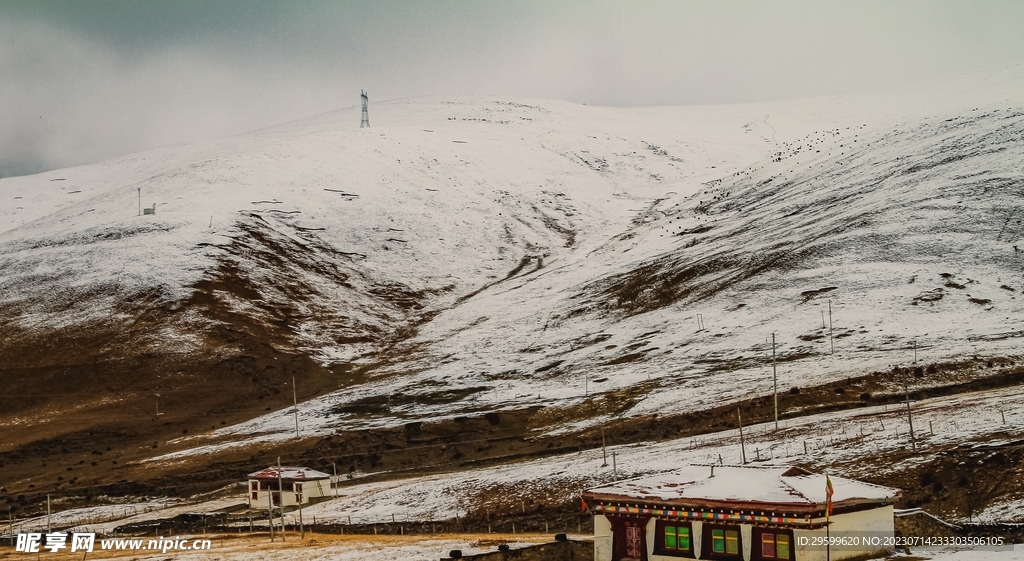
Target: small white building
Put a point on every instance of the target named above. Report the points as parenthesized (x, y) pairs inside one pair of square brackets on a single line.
[(753, 513), (292, 485)]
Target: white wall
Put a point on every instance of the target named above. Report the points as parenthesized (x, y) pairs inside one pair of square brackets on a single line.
[(315, 488), (878, 521), (310, 489), (602, 538), (262, 502)]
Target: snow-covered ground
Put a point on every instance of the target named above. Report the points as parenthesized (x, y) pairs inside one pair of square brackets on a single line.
[(1004, 510), (842, 438), (104, 518), (1015, 551), (845, 440), (93, 516)]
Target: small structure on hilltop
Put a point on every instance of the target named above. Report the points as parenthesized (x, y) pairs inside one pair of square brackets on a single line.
[(287, 486), (751, 513)]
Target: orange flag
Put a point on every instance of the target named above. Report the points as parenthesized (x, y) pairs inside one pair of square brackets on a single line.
[(828, 497)]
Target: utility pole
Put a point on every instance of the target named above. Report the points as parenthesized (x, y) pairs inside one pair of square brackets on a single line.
[(775, 384), (140, 201), (302, 527), (831, 341), (615, 469), (47, 513), (334, 466), (604, 451), (280, 494), (910, 419), (915, 352), (270, 511), (295, 407), (248, 494), (743, 448)]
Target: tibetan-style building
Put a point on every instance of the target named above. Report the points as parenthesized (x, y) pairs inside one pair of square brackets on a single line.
[(749, 513), (292, 485)]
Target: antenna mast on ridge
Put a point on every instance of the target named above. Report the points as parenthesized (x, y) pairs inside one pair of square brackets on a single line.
[(366, 116)]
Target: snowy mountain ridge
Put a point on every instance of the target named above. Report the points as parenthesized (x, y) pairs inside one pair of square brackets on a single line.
[(480, 254)]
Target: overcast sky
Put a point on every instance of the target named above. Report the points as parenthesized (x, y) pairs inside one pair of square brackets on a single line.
[(82, 81)]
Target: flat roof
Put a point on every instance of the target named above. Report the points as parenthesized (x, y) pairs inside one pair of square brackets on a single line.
[(290, 473), (769, 485)]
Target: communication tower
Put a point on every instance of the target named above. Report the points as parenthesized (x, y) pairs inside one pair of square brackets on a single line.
[(366, 116)]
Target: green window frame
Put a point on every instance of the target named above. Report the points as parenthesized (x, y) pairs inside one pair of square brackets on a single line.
[(718, 541), (732, 542), (725, 541), (782, 546), (677, 538)]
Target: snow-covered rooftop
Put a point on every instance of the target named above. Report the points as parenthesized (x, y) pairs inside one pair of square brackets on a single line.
[(775, 485), (289, 473)]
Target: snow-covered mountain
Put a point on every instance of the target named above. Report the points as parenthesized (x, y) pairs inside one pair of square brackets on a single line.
[(341, 234), (486, 253)]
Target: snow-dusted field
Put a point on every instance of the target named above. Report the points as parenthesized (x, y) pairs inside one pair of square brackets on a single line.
[(103, 519), (95, 516), (849, 439), (1015, 551)]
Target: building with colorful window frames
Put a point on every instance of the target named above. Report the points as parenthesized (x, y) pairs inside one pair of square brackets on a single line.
[(753, 513)]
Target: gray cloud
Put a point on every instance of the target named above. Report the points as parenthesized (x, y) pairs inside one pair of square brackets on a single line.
[(82, 81)]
